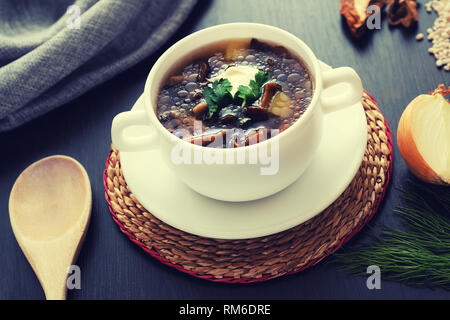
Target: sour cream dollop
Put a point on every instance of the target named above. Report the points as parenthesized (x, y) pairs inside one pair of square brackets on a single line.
[(238, 76)]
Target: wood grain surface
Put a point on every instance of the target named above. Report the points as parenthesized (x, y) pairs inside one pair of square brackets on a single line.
[(394, 68)]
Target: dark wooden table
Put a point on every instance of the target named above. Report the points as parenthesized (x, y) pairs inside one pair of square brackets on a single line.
[(394, 68)]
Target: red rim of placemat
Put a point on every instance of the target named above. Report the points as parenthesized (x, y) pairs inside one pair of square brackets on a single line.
[(313, 262)]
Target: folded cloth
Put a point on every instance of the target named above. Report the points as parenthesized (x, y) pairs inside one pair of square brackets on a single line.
[(53, 51)]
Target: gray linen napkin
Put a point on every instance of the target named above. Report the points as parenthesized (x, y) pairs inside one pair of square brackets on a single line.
[(49, 56)]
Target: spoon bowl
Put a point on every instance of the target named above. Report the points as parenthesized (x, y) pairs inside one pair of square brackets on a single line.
[(49, 209)]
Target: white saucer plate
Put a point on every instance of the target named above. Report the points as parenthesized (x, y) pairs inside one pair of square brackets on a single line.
[(335, 164)]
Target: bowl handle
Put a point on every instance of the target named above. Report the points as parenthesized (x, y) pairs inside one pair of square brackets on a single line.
[(348, 97), (128, 119)]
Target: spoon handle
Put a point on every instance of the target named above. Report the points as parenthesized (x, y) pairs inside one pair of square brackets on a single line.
[(56, 294), (55, 287)]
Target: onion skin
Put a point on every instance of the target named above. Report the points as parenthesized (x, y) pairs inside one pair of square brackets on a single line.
[(409, 151)]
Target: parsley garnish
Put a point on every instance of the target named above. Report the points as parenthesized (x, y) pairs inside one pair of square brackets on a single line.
[(253, 91), (219, 95)]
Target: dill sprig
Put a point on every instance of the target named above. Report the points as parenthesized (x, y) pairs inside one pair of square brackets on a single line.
[(418, 255)]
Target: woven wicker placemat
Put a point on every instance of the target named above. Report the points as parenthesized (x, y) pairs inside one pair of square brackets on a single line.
[(267, 257)]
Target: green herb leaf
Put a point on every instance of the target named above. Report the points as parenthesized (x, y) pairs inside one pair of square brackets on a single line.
[(218, 96), (212, 110), (261, 78), (246, 94), (253, 91), (222, 89)]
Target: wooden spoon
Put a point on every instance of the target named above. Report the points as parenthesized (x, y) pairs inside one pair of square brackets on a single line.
[(49, 208)]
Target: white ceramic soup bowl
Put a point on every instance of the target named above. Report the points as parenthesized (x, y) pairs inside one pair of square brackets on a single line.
[(247, 173)]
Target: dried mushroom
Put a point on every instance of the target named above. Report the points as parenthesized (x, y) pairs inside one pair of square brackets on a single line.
[(403, 12), (257, 113), (355, 13), (174, 80), (203, 69), (270, 89), (278, 50), (257, 136), (200, 109), (208, 138)]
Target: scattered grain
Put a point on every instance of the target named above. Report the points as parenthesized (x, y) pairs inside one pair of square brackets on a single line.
[(440, 33)]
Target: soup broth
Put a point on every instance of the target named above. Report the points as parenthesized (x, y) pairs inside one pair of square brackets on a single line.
[(244, 92)]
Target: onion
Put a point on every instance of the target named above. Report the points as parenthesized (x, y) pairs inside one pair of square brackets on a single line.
[(423, 137)]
